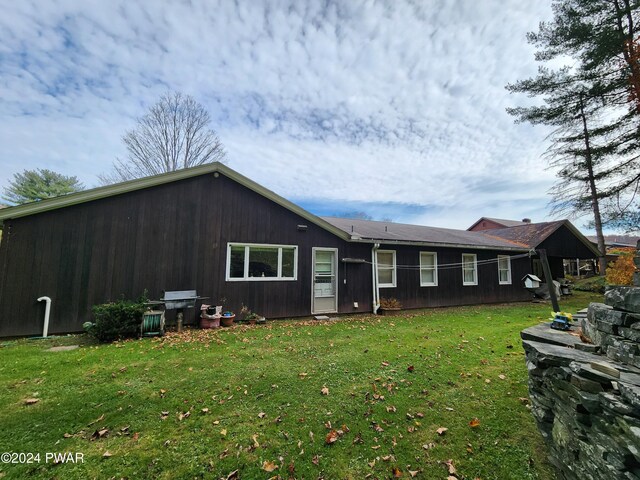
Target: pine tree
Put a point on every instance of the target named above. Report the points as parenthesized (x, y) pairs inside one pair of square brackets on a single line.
[(593, 103), (36, 185)]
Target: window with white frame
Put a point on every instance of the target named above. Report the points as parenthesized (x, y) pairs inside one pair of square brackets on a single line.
[(257, 262), (469, 269), (428, 269), (386, 260), (504, 270)]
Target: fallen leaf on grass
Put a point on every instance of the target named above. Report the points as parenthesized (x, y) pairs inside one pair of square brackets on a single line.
[(413, 473), (100, 434), (502, 377), (107, 454), (397, 473), (324, 391), (262, 415), (233, 475), (302, 375), (99, 419), (182, 416), (332, 437), (67, 435), (255, 441), (450, 467), (269, 466), (410, 368), (388, 458), (31, 401), (164, 415), (428, 446), (205, 410), (223, 432), (391, 408), (441, 430), (136, 436), (474, 423), (315, 460)]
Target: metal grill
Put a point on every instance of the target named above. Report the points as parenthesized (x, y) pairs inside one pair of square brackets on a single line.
[(178, 299)]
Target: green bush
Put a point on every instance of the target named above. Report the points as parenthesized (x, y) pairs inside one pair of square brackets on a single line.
[(592, 284), (117, 320)]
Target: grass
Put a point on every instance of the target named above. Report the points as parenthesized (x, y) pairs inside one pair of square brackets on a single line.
[(205, 403)]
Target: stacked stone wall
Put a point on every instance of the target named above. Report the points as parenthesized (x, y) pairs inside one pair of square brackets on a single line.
[(585, 396)]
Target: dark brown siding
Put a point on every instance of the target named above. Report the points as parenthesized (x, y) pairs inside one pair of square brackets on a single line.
[(450, 290), (564, 244), (175, 236), (169, 237)]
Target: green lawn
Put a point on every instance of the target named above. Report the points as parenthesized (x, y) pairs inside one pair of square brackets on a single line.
[(206, 403)]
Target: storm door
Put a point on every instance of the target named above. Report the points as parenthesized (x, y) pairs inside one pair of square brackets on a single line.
[(325, 280)]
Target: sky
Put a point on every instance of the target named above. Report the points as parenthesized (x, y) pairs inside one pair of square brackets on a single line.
[(395, 109)]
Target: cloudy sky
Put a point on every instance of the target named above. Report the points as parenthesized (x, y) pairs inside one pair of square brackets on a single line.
[(393, 108)]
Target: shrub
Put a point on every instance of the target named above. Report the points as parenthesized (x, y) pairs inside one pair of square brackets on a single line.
[(117, 320), (591, 284), (621, 271)]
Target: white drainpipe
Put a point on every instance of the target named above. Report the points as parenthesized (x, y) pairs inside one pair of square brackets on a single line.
[(374, 275), (47, 311)]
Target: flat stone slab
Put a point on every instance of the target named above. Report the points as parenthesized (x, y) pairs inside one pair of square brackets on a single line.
[(564, 356), (558, 355), (545, 334), (63, 348)]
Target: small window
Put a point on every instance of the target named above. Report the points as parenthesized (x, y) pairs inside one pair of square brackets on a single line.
[(469, 269), (261, 262), (386, 260), (428, 269), (504, 270)]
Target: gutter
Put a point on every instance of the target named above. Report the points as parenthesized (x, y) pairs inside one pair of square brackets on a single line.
[(440, 245), (374, 275)]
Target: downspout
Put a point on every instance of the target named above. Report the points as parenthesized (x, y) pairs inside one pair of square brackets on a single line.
[(374, 275), (47, 311)]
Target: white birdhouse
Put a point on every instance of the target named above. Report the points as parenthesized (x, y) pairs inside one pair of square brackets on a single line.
[(531, 281)]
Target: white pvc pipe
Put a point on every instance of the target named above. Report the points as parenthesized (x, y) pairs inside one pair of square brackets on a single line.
[(374, 273), (47, 311)]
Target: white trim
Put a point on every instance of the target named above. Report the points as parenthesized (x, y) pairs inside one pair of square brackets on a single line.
[(313, 278), (435, 270), (246, 277), (508, 258), (393, 269), (475, 269)]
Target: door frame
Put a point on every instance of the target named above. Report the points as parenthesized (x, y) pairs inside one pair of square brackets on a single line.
[(313, 277)]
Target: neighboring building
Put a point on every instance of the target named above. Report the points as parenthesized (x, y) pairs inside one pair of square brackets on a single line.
[(577, 259), (211, 229), (486, 223)]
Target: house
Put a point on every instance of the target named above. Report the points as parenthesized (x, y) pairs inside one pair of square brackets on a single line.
[(487, 223), (211, 229), (562, 241)]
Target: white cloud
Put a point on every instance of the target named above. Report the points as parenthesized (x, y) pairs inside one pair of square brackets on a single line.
[(358, 101)]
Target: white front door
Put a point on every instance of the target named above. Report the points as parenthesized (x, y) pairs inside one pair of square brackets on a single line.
[(325, 280)]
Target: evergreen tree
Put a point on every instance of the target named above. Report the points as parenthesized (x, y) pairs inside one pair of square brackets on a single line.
[(593, 103), (35, 185)]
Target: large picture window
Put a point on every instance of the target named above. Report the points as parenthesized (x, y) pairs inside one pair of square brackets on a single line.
[(261, 262), (386, 260), (504, 270), (428, 269), (469, 269)]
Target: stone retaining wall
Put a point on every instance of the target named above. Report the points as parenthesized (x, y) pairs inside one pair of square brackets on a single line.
[(585, 396)]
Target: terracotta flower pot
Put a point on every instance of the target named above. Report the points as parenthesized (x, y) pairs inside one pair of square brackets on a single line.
[(227, 321), (209, 322)]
